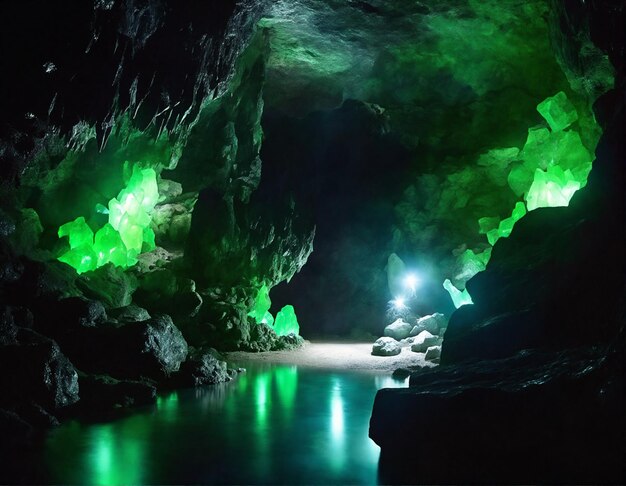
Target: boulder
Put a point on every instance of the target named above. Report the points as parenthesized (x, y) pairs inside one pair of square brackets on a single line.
[(432, 324), (130, 313), (151, 349), (432, 353), (203, 368), (398, 329), (423, 341), (485, 414), (34, 369), (109, 284), (386, 346)]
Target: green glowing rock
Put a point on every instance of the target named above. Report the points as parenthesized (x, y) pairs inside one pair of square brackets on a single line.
[(459, 298), (127, 233), (109, 247), (472, 263), (506, 225), (521, 178), (558, 111), (131, 233), (552, 188), (495, 229), (79, 232), (286, 322), (149, 243), (82, 258), (260, 311)]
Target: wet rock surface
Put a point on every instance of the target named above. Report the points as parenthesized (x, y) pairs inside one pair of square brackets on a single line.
[(534, 417)]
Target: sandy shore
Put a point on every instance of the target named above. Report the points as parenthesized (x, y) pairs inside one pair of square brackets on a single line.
[(344, 356)]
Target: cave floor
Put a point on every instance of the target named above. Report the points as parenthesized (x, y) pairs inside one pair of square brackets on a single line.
[(353, 356)]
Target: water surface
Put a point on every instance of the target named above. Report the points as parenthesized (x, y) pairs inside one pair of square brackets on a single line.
[(273, 424)]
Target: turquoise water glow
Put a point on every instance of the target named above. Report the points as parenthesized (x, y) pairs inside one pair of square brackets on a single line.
[(274, 424)]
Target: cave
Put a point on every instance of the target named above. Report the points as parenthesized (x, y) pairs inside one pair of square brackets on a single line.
[(312, 242)]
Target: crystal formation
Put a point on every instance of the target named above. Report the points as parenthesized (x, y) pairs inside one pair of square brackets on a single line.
[(558, 111), (260, 312), (459, 298), (127, 233), (286, 322)]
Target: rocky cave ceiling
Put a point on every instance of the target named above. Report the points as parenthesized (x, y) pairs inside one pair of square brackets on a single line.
[(360, 129)]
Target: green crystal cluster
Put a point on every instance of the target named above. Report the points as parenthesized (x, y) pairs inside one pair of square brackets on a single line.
[(127, 233), (459, 297), (495, 229), (550, 168), (261, 310), (286, 321), (554, 162)]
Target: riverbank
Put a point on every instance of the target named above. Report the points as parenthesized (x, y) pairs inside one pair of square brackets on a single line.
[(353, 356)]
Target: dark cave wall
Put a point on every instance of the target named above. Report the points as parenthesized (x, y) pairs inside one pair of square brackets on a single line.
[(530, 386), (167, 85)]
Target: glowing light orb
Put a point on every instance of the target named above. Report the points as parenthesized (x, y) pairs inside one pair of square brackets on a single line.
[(399, 303), (411, 281)]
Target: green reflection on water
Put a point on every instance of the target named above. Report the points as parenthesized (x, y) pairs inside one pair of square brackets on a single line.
[(114, 459), (274, 424)]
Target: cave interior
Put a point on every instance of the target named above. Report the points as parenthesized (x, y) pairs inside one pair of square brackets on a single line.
[(443, 181)]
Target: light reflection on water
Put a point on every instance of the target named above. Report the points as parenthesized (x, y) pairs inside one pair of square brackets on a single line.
[(274, 424)]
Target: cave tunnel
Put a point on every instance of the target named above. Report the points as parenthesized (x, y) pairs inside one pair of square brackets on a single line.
[(312, 242)]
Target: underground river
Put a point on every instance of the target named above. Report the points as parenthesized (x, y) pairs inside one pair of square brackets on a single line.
[(276, 423)]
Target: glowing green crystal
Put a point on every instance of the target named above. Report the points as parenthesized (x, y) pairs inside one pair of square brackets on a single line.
[(286, 322), (558, 111), (79, 232), (459, 298), (109, 247), (127, 233), (260, 311), (472, 263), (82, 258), (552, 188), (495, 229)]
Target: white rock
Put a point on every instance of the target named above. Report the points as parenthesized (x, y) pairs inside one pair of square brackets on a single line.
[(433, 352), (406, 342), (432, 323), (423, 341), (386, 346), (398, 329), (416, 330)]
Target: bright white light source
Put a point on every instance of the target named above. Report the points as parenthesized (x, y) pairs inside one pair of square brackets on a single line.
[(411, 281), (398, 303)]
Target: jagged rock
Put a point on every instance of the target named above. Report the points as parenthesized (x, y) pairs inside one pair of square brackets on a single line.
[(398, 329), (109, 284), (291, 341), (433, 324), (262, 338), (423, 341), (78, 312), (386, 346), (203, 367), (34, 369), (130, 313), (432, 353), (8, 329), (154, 348), (165, 292)]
